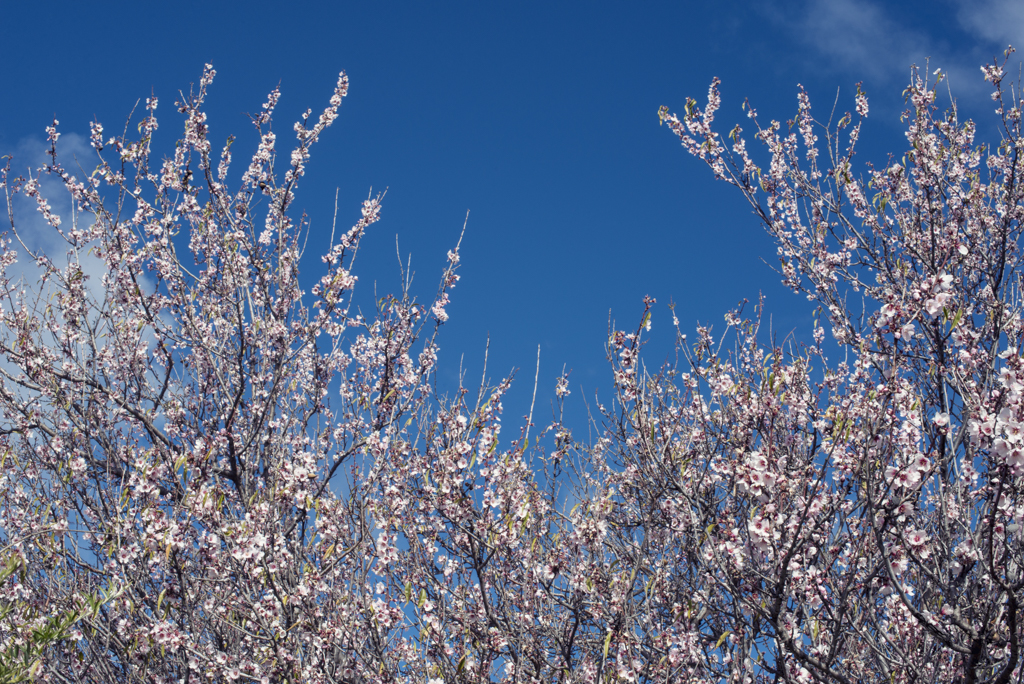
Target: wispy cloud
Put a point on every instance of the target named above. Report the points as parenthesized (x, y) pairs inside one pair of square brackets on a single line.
[(35, 234), (870, 40), (859, 36), (75, 154), (1000, 22)]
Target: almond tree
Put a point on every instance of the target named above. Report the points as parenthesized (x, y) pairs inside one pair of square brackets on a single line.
[(191, 430), (223, 477), (858, 520)]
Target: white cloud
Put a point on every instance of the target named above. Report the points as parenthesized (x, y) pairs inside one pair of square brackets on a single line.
[(871, 41), (40, 238), (859, 36), (75, 154), (1000, 22)]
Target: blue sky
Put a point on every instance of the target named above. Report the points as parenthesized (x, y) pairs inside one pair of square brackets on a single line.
[(540, 118)]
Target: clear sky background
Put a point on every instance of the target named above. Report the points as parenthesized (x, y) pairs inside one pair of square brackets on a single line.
[(538, 117)]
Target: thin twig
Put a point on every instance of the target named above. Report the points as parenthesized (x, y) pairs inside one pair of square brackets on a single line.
[(536, 377)]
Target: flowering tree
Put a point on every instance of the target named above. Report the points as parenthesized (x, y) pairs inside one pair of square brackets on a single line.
[(189, 429), (211, 474), (861, 520)]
